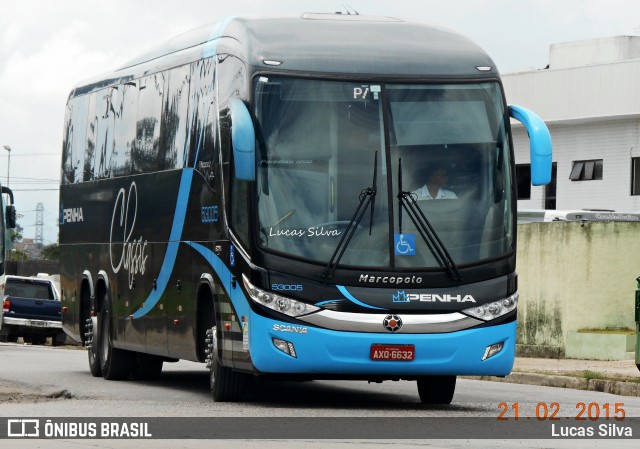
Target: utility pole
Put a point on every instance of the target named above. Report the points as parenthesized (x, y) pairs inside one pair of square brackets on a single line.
[(8, 148), (39, 225)]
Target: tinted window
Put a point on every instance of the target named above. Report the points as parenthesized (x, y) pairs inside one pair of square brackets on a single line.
[(105, 117), (146, 150), (174, 116), (75, 139), (90, 148), (201, 112), (125, 105), (28, 289)]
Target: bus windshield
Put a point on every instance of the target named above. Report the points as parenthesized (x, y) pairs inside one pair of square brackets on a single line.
[(442, 157)]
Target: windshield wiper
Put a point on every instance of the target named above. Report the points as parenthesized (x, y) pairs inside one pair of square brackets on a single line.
[(367, 197), (407, 201)]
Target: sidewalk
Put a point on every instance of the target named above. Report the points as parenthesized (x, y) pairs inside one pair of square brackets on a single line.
[(620, 377)]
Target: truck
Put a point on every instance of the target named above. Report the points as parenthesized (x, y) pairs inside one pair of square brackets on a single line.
[(31, 310)]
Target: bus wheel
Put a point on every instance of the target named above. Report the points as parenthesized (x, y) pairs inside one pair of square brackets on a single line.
[(226, 384), (116, 363), (93, 346), (436, 389), (147, 367)]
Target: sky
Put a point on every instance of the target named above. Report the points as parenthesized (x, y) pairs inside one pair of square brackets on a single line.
[(47, 47)]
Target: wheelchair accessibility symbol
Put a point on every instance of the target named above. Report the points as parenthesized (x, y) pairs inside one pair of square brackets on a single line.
[(405, 244)]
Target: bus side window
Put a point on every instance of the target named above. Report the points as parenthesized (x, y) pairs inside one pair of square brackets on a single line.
[(105, 118), (124, 132), (90, 139), (175, 113), (146, 152), (68, 171), (201, 119)]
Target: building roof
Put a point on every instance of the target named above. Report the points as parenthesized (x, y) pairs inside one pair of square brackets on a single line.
[(593, 80)]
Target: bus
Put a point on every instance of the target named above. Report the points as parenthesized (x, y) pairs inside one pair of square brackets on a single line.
[(244, 196), (7, 222)]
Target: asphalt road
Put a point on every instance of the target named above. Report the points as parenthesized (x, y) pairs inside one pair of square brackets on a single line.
[(38, 381)]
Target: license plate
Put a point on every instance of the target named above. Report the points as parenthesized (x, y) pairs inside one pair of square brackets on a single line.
[(396, 353), (35, 323)]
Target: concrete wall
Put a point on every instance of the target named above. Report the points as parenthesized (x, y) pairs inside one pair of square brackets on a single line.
[(574, 276), (32, 267)]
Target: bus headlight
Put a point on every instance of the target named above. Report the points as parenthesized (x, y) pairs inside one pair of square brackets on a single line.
[(494, 309), (276, 302)]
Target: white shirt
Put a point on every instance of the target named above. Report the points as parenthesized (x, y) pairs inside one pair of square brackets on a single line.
[(423, 194)]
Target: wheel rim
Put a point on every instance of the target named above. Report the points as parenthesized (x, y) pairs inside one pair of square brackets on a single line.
[(105, 335), (95, 330), (214, 358)]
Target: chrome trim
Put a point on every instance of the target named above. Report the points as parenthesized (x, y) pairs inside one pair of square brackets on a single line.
[(45, 324), (372, 322)]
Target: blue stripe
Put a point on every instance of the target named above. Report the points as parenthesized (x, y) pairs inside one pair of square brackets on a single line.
[(239, 301), (351, 298), (211, 47), (204, 125), (322, 303), (172, 247)]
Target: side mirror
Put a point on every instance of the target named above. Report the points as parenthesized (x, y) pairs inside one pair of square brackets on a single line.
[(243, 138), (10, 214), (10, 210), (540, 146)]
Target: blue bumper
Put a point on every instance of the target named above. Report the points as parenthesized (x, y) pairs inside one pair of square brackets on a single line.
[(322, 351)]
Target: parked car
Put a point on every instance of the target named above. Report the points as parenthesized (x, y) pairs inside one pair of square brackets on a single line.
[(31, 309)]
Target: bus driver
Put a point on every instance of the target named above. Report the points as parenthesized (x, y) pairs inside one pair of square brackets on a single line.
[(434, 188)]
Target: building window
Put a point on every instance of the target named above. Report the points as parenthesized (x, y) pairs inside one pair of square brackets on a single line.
[(635, 176), (586, 170), (550, 189), (523, 179)]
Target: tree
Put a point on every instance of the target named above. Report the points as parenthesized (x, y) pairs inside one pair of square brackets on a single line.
[(16, 254), (51, 252), (16, 234)]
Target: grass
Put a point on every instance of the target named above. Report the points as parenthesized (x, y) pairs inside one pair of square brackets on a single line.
[(592, 375), (586, 374), (608, 331)]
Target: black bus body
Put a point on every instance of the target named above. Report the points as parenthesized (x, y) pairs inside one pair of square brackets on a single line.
[(248, 195)]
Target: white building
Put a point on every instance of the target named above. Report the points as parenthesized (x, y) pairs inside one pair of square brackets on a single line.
[(589, 96)]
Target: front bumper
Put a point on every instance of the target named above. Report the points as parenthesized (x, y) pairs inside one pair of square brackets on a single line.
[(330, 352), (38, 324)]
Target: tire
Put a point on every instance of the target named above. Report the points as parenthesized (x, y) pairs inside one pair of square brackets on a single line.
[(3, 332), (12, 338), (116, 363), (59, 340), (92, 339), (226, 385), (436, 389), (147, 367), (38, 340)]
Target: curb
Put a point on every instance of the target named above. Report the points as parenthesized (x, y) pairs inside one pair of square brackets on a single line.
[(577, 383)]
